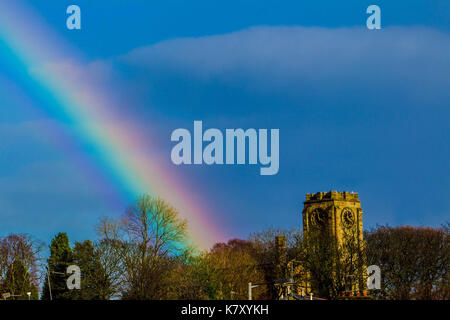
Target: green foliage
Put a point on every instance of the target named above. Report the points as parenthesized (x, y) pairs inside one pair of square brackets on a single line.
[(18, 283), (142, 257), (221, 273), (92, 273), (18, 266), (61, 257)]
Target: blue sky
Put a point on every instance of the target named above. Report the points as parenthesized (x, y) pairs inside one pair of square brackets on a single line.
[(358, 110)]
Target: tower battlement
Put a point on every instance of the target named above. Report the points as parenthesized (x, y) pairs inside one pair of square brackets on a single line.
[(332, 195)]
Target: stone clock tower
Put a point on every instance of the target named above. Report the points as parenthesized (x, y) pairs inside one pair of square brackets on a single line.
[(335, 213), (338, 217)]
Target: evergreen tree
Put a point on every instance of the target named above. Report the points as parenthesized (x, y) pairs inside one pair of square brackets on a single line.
[(61, 257), (86, 257), (18, 283)]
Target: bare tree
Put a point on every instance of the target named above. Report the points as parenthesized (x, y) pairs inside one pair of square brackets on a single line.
[(155, 226), (414, 261), (111, 249), (148, 234)]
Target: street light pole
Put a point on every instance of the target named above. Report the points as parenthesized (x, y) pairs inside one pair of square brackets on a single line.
[(49, 286), (251, 286)]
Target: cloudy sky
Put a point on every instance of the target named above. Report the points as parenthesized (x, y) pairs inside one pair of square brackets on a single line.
[(358, 110)]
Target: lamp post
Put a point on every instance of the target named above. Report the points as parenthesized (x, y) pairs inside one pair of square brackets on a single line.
[(29, 296), (48, 279), (49, 285), (251, 286)]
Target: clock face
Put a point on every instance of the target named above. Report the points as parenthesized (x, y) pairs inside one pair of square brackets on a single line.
[(318, 217), (348, 218)]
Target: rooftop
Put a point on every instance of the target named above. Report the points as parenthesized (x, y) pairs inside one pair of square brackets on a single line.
[(332, 195)]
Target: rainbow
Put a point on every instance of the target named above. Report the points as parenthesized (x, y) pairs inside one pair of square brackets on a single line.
[(119, 149)]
